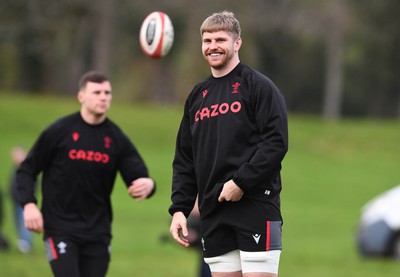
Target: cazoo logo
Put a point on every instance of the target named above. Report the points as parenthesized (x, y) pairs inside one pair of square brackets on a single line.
[(216, 110), (89, 155)]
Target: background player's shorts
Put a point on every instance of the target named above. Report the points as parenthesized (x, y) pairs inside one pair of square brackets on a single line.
[(242, 225), (69, 256)]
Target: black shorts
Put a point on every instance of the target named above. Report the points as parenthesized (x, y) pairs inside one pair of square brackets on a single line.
[(71, 256), (243, 225)]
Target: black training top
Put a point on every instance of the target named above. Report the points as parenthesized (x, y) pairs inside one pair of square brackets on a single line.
[(79, 162), (233, 127)]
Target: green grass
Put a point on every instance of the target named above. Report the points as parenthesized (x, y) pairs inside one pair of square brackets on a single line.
[(331, 170)]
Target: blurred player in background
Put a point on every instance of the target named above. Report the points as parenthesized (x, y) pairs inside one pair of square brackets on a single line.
[(24, 242), (231, 142), (4, 245), (194, 239), (79, 156)]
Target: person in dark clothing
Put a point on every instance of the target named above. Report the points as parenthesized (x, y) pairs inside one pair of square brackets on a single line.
[(230, 145), (4, 245), (25, 241), (79, 156), (194, 239)]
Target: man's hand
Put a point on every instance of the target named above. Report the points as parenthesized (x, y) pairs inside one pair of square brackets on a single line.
[(179, 229), (33, 218), (230, 192), (141, 188)]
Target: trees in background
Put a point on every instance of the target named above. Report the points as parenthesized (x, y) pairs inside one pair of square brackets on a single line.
[(334, 57)]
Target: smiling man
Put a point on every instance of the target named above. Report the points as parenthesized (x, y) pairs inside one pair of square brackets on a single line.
[(79, 156), (231, 142)]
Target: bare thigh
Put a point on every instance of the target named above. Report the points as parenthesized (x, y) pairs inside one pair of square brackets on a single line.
[(239, 274)]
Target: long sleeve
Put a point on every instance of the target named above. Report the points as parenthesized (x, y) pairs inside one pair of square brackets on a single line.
[(29, 169), (184, 188), (131, 165), (271, 120)]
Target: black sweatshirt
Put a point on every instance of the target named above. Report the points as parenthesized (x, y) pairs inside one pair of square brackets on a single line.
[(79, 162), (233, 127)]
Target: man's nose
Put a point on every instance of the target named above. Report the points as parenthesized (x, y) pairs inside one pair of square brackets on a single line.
[(103, 94), (213, 44)]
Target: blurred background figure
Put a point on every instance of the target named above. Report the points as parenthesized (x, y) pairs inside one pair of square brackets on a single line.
[(378, 233), (195, 239), (24, 242), (3, 241)]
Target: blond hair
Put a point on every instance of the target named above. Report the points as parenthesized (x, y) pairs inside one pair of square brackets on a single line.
[(222, 21)]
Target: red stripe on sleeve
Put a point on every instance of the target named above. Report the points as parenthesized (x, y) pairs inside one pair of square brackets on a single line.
[(268, 236)]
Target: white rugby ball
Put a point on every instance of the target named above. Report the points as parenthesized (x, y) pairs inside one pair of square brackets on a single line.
[(156, 35)]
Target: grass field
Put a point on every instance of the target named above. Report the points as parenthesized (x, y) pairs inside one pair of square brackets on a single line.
[(331, 170)]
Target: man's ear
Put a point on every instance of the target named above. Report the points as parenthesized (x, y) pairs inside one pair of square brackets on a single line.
[(238, 43), (79, 96)]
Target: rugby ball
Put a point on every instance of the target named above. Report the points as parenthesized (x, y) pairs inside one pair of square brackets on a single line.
[(156, 35)]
